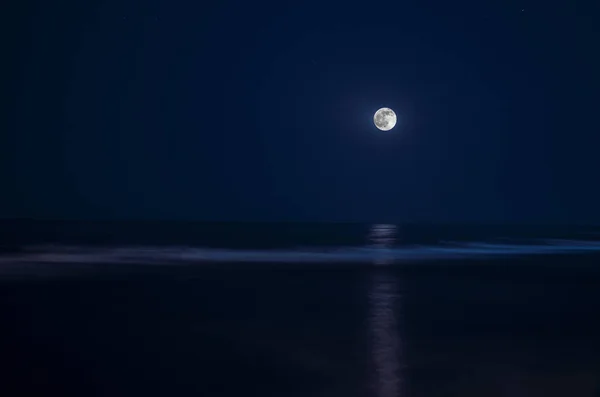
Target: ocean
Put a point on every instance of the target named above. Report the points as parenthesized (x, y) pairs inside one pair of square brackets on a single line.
[(190, 309)]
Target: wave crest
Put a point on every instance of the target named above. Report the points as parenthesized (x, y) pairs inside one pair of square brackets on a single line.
[(366, 254)]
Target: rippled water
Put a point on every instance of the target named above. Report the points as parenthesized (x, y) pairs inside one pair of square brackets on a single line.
[(366, 255), (519, 318), (381, 246)]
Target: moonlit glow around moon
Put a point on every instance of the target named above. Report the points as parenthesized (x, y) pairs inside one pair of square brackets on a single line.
[(385, 119)]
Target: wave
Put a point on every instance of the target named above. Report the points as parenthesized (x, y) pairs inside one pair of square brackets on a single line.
[(366, 254)]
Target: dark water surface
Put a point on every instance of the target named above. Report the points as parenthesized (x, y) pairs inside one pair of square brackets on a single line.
[(517, 325)]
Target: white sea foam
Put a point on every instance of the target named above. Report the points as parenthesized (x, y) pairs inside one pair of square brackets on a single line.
[(365, 254)]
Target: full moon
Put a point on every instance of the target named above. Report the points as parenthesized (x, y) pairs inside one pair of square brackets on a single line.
[(385, 119)]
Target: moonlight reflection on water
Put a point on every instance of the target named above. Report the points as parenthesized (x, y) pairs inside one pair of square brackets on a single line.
[(384, 301)]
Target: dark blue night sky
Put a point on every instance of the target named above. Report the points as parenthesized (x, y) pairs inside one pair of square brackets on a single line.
[(240, 110)]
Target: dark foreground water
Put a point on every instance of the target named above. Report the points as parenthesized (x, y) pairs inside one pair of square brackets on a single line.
[(448, 317)]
